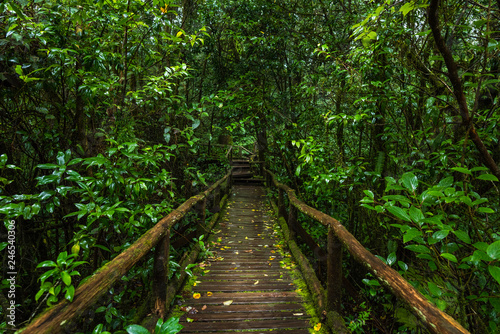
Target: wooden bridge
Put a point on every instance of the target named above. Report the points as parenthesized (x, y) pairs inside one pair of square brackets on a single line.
[(249, 285)]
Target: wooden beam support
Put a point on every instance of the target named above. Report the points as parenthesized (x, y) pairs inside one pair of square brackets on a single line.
[(281, 204), (292, 221), (334, 273), (160, 276)]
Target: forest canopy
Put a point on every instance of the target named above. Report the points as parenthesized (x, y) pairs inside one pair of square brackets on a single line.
[(383, 114)]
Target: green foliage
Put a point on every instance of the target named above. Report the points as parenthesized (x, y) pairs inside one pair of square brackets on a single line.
[(58, 279), (430, 228), (356, 325), (171, 326)]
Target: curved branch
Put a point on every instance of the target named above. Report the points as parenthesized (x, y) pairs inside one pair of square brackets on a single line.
[(458, 90)]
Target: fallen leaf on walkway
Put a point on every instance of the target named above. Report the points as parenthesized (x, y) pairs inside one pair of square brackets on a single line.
[(209, 293), (298, 314), (256, 282), (228, 302), (189, 320), (204, 307), (196, 295)]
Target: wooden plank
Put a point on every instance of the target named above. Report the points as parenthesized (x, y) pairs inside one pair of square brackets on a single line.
[(248, 300), (248, 308), (293, 331), (217, 286), (198, 327), (242, 316), (237, 276)]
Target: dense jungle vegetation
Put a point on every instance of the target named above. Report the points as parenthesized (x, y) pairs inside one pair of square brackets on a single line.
[(384, 114)]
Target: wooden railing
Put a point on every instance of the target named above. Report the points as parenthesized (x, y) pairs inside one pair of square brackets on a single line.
[(55, 318), (435, 320)]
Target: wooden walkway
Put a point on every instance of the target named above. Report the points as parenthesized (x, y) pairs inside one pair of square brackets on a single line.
[(249, 289)]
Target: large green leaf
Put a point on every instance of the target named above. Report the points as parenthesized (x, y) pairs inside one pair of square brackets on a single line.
[(407, 7), (434, 289), (66, 278), (411, 234), (136, 329), (416, 215), (462, 235), (418, 249), (46, 264), (440, 235), (487, 177), (399, 212), (462, 170), (450, 257), (495, 272), (494, 250), (409, 181), (171, 326)]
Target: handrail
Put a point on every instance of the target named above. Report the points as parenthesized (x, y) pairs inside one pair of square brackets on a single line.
[(435, 320), (53, 320)]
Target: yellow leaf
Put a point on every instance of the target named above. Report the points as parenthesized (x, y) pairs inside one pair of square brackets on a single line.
[(317, 327), (209, 293), (228, 302), (189, 320), (179, 34), (196, 296), (256, 282)]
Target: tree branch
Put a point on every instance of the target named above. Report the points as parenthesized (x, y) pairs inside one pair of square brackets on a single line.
[(458, 91)]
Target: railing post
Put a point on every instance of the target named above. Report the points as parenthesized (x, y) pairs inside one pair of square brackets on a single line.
[(281, 204), (200, 209), (160, 275), (292, 220), (216, 206), (269, 179), (334, 272)]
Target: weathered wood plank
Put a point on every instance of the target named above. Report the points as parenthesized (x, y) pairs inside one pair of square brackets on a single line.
[(248, 308), (242, 316), (271, 331), (256, 286), (198, 327)]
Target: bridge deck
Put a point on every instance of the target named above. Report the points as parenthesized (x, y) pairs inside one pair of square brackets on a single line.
[(249, 289)]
